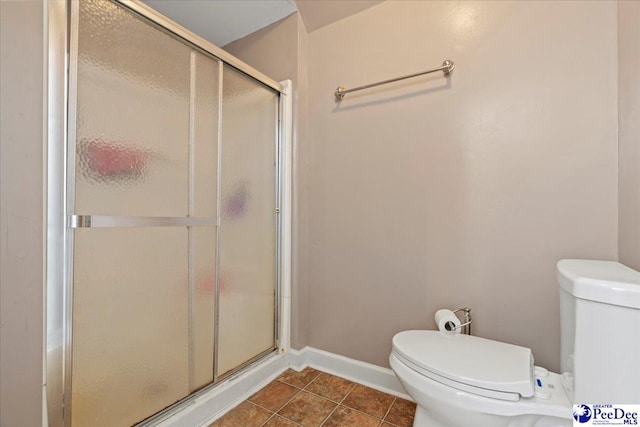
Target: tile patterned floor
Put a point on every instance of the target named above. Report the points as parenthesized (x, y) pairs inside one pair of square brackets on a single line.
[(313, 398)]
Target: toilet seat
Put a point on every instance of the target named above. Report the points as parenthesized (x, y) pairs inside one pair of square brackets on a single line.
[(472, 364)]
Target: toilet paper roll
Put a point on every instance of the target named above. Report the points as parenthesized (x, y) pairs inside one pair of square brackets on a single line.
[(447, 321)]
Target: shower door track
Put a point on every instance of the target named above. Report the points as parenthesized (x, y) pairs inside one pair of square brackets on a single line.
[(61, 111)]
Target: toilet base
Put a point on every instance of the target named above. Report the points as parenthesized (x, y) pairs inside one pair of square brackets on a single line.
[(424, 418), (447, 416)]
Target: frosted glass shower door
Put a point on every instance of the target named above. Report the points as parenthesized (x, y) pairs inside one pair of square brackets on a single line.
[(247, 236), (172, 220), (143, 156)]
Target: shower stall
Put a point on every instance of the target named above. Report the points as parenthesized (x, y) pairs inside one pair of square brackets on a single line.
[(165, 194)]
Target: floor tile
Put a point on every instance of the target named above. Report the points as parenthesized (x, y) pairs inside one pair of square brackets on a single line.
[(307, 409), (369, 401), (329, 386), (274, 395), (299, 379), (346, 417), (278, 421), (245, 414), (401, 413)]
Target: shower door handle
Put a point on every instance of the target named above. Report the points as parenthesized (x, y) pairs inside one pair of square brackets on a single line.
[(102, 221)]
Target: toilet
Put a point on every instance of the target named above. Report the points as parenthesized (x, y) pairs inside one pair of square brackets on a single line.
[(466, 381)]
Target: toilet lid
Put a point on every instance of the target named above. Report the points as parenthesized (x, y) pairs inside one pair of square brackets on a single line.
[(474, 364)]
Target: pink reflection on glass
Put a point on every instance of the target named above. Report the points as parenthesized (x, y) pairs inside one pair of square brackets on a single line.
[(206, 285), (104, 160)]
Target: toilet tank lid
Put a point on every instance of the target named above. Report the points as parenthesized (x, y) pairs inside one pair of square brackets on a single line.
[(602, 281), (470, 360)]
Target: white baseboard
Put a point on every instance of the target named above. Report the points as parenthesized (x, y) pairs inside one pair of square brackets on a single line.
[(216, 402), (373, 376)]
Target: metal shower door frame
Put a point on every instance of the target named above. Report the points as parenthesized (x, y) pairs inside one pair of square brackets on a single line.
[(62, 23)]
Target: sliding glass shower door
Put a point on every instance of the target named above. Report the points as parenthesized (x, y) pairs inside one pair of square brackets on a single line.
[(171, 205), (247, 234)]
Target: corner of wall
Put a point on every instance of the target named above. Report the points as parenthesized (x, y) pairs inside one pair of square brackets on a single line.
[(300, 332)]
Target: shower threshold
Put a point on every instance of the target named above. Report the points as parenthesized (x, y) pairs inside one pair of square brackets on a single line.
[(215, 399)]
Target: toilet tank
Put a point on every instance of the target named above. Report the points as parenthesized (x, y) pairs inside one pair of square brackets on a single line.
[(600, 331)]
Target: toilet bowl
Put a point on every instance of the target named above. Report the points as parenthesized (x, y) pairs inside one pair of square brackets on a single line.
[(471, 381), (466, 381)]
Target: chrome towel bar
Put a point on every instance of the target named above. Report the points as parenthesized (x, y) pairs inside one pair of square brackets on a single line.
[(447, 67)]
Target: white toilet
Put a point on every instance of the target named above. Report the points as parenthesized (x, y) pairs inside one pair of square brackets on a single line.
[(466, 381)]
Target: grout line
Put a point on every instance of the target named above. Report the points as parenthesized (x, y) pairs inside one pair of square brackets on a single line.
[(294, 386), (314, 378), (305, 386), (261, 407), (389, 410), (288, 419), (288, 401), (321, 396), (250, 403), (326, 398), (338, 405), (300, 390), (363, 413), (312, 381), (348, 393), (328, 416), (366, 413), (285, 404), (274, 415), (267, 420)]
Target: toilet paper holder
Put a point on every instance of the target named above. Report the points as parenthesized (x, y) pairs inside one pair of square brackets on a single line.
[(466, 321)]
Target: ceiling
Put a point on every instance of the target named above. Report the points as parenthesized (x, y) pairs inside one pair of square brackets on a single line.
[(224, 21), (318, 13)]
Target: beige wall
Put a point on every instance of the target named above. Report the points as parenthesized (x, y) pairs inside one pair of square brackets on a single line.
[(21, 212), (280, 51), (272, 50), (629, 131), (439, 192), (424, 194)]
